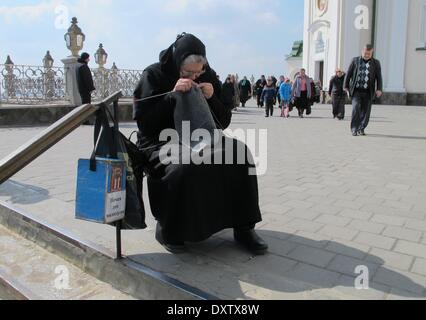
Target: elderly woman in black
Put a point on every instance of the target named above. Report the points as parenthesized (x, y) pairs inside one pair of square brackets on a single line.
[(192, 202)]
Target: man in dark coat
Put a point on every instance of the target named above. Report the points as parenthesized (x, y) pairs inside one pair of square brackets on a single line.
[(338, 95), (84, 79), (260, 84), (192, 202), (363, 81), (245, 91), (228, 94)]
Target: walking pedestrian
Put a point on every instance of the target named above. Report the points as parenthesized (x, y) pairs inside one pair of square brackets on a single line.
[(363, 82), (338, 95), (268, 97), (260, 84), (302, 92), (245, 91), (285, 94)]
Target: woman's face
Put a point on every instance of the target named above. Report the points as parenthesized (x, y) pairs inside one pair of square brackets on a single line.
[(192, 71)]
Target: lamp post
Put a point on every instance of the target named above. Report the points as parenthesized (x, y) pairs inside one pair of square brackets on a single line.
[(74, 38), (49, 77), (9, 78), (101, 74), (114, 78), (101, 56)]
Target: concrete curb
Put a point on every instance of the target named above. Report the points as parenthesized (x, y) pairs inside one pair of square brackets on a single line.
[(124, 275)]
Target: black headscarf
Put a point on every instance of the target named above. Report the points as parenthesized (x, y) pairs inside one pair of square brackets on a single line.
[(84, 56), (185, 45)]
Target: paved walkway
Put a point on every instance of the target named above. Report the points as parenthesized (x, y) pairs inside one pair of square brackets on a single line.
[(331, 202)]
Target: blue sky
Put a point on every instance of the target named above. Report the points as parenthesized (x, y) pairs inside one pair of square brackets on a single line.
[(242, 36)]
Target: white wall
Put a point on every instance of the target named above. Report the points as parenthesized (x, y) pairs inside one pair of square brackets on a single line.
[(391, 39), (293, 66), (353, 40), (415, 60), (343, 40)]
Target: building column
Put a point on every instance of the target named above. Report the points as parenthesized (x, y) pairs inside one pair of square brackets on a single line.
[(72, 93), (391, 41)]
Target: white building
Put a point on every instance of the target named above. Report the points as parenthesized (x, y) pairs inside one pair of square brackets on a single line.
[(337, 30)]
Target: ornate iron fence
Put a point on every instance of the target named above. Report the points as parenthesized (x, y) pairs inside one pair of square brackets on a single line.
[(108, 81), (20, 84)]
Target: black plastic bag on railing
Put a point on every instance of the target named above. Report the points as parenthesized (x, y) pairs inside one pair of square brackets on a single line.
[(111, 143)]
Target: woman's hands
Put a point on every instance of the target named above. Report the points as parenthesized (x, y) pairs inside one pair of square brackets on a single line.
[(185, 85), (207, 89)]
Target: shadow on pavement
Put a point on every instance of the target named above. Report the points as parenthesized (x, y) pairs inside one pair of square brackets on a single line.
[(21, 193), (286, 269), (396, 137)]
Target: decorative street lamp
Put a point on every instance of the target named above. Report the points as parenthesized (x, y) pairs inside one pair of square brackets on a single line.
[(101, 56), (75, 38), (9, 78), (9, 63), (49, 76), (114, 67), (48, 61)]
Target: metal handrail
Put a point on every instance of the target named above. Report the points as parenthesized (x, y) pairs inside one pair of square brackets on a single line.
[(34, 148)]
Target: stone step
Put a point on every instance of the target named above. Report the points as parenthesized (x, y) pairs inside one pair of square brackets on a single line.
[(28, 272), (85, 258)]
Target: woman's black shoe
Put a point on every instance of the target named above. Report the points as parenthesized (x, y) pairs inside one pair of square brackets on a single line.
[(175, 248), (251, 241)]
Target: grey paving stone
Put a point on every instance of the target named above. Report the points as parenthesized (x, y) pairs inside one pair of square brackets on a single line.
[(390, 258), (346, 285), (419, 266), (348, 248), (389, 220), (306, 214), (348, 266), (356, 214), (316, 257), (366, 226), (310, 239), (375, 241), (416, 224), (405, 281), (339, 233), (348, 204), (396, 186), (410, 248), (278, 246), (304, 225), (327, 208), (297, 204), (403, 234), (333, 220), (274, 208), (315, 276), (274, 264)]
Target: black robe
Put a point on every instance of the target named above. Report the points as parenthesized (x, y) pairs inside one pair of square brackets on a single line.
[(84, 81), (191, 202), (245, 91)]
